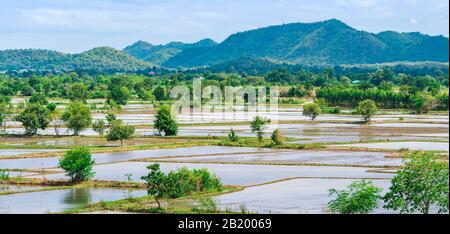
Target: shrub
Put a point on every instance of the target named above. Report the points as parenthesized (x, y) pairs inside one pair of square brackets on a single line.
[(120, 132), (360, 197), (99, 127), (4, 175), (258, 125), (77, 164), (277, 137), (232, 136), (77, 117), (180, 183)]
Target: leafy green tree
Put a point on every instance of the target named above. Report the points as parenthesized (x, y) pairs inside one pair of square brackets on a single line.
[(367, 109), (360, 197), (277, 137), (345, 81), (51, 107), (232, 136), (34, 117), (164, 122), (38, 98), (78, 92), (421, 183), (155, 182), (159, 93), (312, 110), (110, 117), (258, 125), (120, 132), (55, 119), (118, 90), (423, 102), (99, 126), (77, 117), (77, 164)]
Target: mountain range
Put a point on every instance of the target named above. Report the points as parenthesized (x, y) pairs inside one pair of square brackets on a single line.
[(329, 42)]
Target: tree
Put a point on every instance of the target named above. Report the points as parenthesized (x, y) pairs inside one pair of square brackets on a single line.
[(120, 132), (99, 127), (423, 182), (78, 92), (38, 98), (367, 109), (423, 102), (118, 91), (34, 117), (360, 197), (164, 122), (111, 117), (77, 117), (258, 125), (312, 110), (277, 137), (55, 119), (159, 93), (77, 164), (155, 182), (345, 81)]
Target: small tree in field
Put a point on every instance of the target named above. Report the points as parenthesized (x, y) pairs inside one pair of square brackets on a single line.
[(155, 182), (77, 117), (120, 132), (367, 109), (99, 126), (360, 197), (78, 164), (277, 137), (422, 183), (164, 122), (258, 125), (34, 117), (312, 110)]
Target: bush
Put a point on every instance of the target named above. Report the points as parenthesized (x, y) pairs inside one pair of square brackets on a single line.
[(77, 117), (99, 127), (4, 175), (258, 125), (360, 197), (277, 137), (164, 122), (180, 183), (77, 164), (422, 182), (34, 117), (232, 136), (120, 132)]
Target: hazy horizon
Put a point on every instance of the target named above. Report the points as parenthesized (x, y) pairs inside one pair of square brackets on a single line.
[(74, 26)]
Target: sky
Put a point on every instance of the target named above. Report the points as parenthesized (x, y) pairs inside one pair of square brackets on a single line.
[(77, 25)]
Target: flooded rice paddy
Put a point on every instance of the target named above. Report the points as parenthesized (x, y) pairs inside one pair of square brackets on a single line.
[(61, 200), (438, 146)]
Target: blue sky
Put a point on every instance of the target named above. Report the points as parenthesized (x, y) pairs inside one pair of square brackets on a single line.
[(78, 25)]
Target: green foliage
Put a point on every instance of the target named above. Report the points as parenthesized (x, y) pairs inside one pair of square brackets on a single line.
[(4, 175), (77, 164), (38, 98), (78, 92), (77, 117), (99, 126), (277, 137), (119, 91), (120, 132), (34, 117), (159, 93), (51, 107), (232, 136), (423, 182), (443, 101), (367, 109), (164, 122), (180, 183), (257, 126), (423, 102), (312, 110), (111, 117), (360, 197)]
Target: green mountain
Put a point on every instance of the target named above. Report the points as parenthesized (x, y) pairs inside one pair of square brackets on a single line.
[(328, 42), (99, 59), (159, 54)]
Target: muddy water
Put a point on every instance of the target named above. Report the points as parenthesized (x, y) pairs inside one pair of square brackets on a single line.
[(300, 196), (441, 146), (16, 188), (35, 163), (308, 157), (60, 200), (230, 174)]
